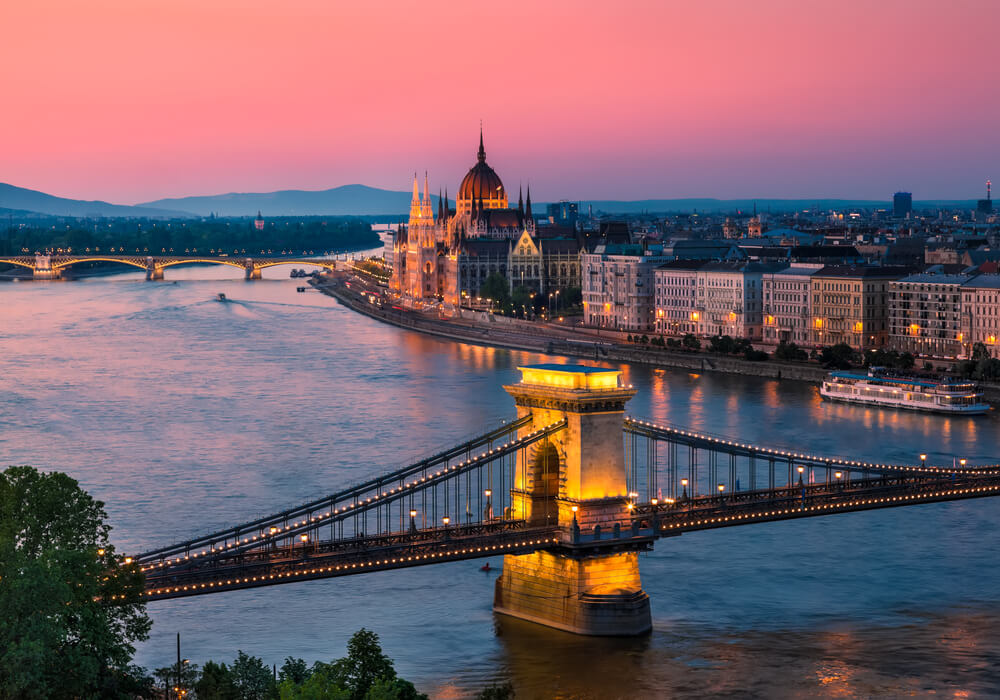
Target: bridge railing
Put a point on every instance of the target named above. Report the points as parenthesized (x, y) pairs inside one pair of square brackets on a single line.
[(443, 493), (669, 463)]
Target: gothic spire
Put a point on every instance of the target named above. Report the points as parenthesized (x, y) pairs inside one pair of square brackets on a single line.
[(482, 151), (427, 191), (520, 201), (440, 210), (416, 190), (527, 206)]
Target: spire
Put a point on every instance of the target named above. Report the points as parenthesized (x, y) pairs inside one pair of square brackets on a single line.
[(440, 211), (447, 207), (482, 151), (427, 191), (416, 191), (520, 201), (527, 206)]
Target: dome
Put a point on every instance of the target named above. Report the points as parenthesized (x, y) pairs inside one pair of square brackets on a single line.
[(482, 182)]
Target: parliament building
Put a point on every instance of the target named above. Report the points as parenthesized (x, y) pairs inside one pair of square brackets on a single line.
[(446, 255)]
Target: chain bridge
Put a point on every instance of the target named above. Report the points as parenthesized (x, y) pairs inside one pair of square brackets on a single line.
[(52, 266), (569, 491)]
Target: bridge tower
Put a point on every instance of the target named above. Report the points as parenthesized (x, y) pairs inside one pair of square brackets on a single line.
[(43, 269), (152, 271), (252, 271), (576, 479)]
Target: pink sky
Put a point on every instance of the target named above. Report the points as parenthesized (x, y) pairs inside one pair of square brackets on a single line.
[(131, 100)]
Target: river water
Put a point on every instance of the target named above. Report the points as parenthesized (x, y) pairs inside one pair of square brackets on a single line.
[(184, 415)]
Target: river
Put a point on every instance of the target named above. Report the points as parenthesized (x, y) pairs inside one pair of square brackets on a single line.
[(184, 415)]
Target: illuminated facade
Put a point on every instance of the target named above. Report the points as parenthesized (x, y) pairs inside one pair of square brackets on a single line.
[(447, 255), (787, 310), (981, 314), (925, 314), (850, 305)]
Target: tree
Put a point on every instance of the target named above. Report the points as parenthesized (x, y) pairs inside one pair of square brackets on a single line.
[(496, 287), (395, 689), (365, 663), (252, 677), (325, 682), (497, 692), (216, 683), (691, 342), (70, 610), (790, 352), (294, 670), (839, 356)]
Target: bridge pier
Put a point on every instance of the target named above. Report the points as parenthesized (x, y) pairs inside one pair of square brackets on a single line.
[(577, 479), (43, 270), (252, 271)]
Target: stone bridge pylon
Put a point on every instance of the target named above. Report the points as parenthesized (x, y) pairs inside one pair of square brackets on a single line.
[(577, 479)]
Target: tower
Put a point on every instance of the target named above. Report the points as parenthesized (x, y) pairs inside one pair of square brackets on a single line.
[(576, 479)]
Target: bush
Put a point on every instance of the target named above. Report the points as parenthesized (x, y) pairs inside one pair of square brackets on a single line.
[(691, 342), (790, 352), (755, 355), (839, 356)]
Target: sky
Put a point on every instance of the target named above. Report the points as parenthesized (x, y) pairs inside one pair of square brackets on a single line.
[(133, 100)]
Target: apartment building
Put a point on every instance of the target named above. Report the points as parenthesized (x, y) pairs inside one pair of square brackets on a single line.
[(675, 296), (787, 307), (730, 298), (850, 305), (617, 285), (925, 313), (981, 314)]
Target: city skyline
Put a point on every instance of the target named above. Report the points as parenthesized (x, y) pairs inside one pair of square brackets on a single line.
[(645, 101)]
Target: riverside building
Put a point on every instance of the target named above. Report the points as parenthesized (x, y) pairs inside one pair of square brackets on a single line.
[(617, 286), (850, 305), (925, 314), (787, 307), (446, 255)]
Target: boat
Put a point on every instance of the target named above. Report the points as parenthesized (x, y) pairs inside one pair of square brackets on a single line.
[(882, 387), (221, 297)]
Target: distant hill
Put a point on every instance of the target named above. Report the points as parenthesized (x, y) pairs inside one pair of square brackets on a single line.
[(22, 199), (347, 200)]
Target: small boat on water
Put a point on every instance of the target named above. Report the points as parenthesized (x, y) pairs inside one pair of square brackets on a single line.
[(221, 297), (881, 387)]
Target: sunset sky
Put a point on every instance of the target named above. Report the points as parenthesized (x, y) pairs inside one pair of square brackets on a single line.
[(132, 100)]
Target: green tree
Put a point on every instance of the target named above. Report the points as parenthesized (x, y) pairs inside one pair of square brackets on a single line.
[(790, 352), (365, 663), (393, 689), (216, 683), (522, 301), (325, 682), (839, 356), (70, 610), (495, 287), (691, 342), (497, 692), (294, 670), (252, 677)]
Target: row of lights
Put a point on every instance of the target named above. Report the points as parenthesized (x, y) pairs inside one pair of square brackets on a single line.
[(830, 506), (339, 567), (843, 462), (275, 530)]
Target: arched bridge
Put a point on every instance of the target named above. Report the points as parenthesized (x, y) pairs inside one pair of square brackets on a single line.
[(569, 491), (52, 266)]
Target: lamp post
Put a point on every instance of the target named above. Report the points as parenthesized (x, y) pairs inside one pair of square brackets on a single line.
[(489, 504), (722, 491), (413, 522), (801, 469), (923, 460), (684, 484)]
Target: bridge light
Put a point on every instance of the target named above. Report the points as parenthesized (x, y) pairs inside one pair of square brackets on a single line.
[(128, 560), (273, 530), (488, 492), (962, 461), (722, 487), (654, 501), (304, 538), (413, 513), (838, 474), (684, 482), (446, 520)]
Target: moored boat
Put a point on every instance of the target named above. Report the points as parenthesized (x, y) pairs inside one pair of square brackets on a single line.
[(883, 388)]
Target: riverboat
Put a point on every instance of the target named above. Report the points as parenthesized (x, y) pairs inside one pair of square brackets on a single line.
[(882, 388)]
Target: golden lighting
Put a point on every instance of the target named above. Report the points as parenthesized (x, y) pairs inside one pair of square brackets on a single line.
[(914, 329), (991, 339), (857, 327), (694, 315), (570, 378), (961, 337), (770, 320), (818, 323)]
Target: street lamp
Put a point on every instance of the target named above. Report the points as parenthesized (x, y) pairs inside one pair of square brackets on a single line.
[(489, 503), (801, 469), (923, 460), (413, 521), (962, 461), (684, 483)]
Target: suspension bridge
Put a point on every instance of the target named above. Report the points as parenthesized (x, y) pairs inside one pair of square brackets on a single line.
[(51, 267), (570, 491)]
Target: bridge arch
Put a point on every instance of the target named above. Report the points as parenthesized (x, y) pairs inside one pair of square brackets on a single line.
[(231, 262), (325, 264), (65, 263), (18, 262)]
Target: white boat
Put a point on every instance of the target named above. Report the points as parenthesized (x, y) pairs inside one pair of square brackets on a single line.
[(882, 388)]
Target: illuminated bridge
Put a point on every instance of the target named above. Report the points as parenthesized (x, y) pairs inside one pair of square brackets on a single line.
[(53, 266), (569, 491)]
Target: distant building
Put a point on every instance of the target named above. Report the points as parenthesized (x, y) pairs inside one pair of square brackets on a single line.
[(258, 223), (902, 204), (676, 296), (981, 314), (617, 285), (563, 214), (850, 304), (787, 308), (984, 207), (925, 314)]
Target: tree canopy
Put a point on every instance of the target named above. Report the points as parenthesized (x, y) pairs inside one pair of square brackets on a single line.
[(70, 611)]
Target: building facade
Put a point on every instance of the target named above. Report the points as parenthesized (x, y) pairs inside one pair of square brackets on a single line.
[(981, 314), (730, 298), (618, 287), (850, 305), (925, 314), (787, 304), (675, 286), (446, 255)]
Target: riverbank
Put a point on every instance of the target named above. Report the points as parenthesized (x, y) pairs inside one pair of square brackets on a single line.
[(519, 335)]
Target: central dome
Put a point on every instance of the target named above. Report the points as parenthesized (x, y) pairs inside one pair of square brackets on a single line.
[(482, 183)]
